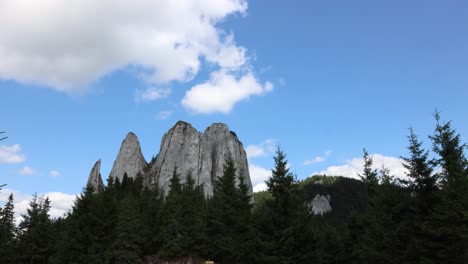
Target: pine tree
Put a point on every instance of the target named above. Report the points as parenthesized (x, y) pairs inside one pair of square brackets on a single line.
[(7, 231), (451, 214)]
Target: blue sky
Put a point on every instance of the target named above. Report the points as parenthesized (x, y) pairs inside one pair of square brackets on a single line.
[(322, 79)]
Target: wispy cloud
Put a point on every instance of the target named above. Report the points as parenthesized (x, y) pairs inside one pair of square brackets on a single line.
[(26, 170), (11, 154), (54, 173), (151, 94), (260, 150), (318, 159), (163, 115)]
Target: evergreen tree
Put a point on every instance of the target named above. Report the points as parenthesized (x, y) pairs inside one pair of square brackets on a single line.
[(35, 232), (230, 227), (192, 218), (420, 205), (451, 214), (151, 204), (369, 176), (223, 216), (127, 246), (172, 224), (287, 226), (90, 228), (7, 231)]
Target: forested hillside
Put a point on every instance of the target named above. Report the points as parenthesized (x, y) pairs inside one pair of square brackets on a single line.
[(377, 219)]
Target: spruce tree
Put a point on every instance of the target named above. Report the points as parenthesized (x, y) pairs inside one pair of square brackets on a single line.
[(369, 175), (192, 218), (127, 246), (35, 232), (289, 234), (223, 216), (7, 231), (451, 214), (230, 231), (172, 224)]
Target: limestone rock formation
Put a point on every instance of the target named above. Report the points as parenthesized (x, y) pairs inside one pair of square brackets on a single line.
[(201, 154), (130, 160), (320, 205), (94, 178)]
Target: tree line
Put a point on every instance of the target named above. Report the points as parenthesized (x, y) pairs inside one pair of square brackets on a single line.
[(423, 219)]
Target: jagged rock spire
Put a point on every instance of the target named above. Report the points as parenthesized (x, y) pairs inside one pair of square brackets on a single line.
[(201, 154), (94, 178), (130, 159)]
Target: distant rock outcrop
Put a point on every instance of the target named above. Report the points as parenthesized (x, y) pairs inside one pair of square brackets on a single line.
[(94, 178), (320, 205), (200, 154), (130, 160)]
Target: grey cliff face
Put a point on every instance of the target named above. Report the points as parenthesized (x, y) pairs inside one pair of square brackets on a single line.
[(130, 160), (201, 154), (94, 178), (320, 205)]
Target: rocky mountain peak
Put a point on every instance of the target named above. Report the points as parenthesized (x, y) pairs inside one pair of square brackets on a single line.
[(94, 178), (201, 154), (130, 159)]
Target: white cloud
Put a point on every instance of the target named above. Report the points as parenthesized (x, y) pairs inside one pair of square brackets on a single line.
[(11, 154), (68, 45), (54, 173), (318, 159), (258, 174), (254, 151), (152, 94), (260, 187), (266, 147), (60, 203), (163, 115), (222, 92), (26, 170), (354, 166)]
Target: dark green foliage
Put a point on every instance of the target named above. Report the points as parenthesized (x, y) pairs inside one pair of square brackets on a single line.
[(286, 231), (127, 245), (422, 186), (193, 219), (230, 230), (369, 176), (7, 231), (172, 224), (450, 219), (34, 233)]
